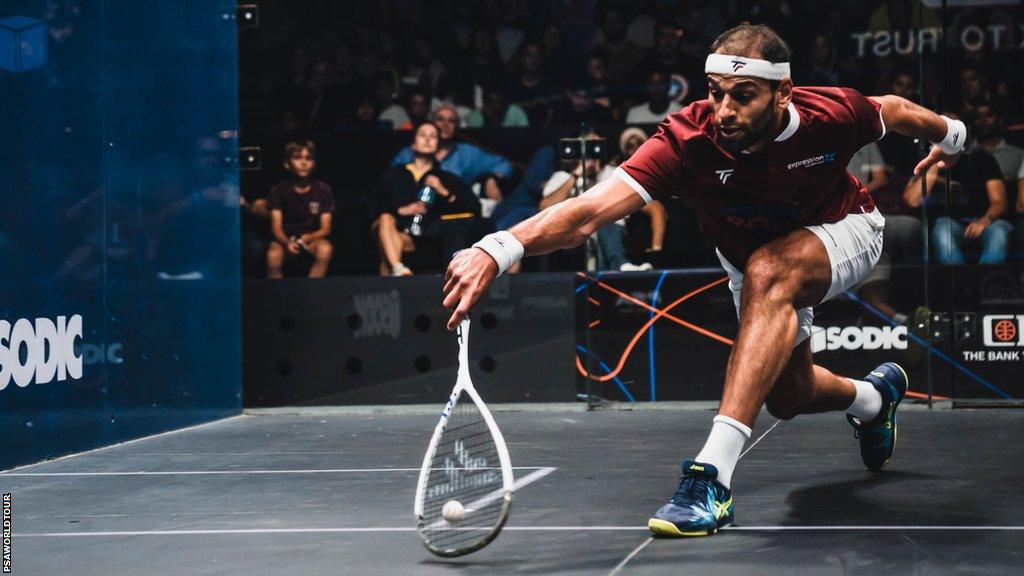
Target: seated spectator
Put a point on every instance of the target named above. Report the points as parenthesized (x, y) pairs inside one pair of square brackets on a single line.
[(1018, 229), (629, 141), (569, 182), (530, 88), (300, 213), (497, 112), (902, 242), (581, 105), (417, 107), (465, 160), (977, 203), (987, 124), (396, 205), (386, 91), (658, 104)]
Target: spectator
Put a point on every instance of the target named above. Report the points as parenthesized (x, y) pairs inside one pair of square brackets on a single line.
[(1018, 229), (484, 66), (300, 213), (629, 141), (497, 113), (569, 182), (902, 241), (582, 106), (417, 107), (396, 201), (623, 55), (530, 89), (976, 204), (556, 57), (821, 68), (386, 91), (423, 68), (658, 104), (465, 160), (987, 124)]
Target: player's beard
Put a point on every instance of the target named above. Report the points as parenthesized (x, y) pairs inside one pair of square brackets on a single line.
[(760, 127)]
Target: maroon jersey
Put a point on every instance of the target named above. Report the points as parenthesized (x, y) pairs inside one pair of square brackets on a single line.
[(746, 200)]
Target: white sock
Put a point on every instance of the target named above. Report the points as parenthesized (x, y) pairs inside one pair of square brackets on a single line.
[(722, 450), (868, 402)]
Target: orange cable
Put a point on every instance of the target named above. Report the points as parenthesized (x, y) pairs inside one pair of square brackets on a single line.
[(652, 320)]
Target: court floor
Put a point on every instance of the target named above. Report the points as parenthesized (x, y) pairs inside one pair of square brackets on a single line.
[(332, 493)]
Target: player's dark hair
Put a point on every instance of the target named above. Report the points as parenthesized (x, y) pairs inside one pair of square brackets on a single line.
[(752, 41)]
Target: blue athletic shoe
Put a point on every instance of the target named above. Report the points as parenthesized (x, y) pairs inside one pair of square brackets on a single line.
[(878, 437), (699, 507)]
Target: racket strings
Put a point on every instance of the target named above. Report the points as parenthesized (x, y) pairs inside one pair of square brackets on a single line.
[(465, 467)]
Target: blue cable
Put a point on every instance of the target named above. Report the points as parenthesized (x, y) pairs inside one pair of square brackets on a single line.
[(928, 345), (650, 330), (605, 367)]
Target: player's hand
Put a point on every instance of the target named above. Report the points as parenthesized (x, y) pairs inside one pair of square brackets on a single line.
[(469, 274), (975, 228), (936, 157), (294, 247)]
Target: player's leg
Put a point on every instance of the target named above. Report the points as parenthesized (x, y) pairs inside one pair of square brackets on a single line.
[(781, 277), (805, 388), (322, 251), (275, 260)]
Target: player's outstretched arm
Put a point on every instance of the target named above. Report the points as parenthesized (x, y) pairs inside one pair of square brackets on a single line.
[(946, 134), (564, 225)]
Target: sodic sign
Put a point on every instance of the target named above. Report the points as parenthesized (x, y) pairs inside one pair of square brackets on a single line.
[(50, 348), (859, 338)]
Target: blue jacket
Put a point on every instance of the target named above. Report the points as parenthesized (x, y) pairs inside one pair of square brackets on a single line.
[(465, 161)]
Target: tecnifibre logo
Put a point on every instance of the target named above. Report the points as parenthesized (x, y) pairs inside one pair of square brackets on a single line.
[(42, 351)]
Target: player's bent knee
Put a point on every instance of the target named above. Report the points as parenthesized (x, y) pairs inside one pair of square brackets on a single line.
[(780, 410)]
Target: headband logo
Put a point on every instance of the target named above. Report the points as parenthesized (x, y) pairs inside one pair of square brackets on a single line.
[(737, 64)]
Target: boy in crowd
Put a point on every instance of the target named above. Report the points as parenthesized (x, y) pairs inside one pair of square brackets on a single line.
[(300, 213)]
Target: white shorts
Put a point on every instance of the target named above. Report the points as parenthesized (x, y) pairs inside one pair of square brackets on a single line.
[(854, 245)]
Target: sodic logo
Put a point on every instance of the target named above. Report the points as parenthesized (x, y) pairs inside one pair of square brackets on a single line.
[(857, 338), (1003, 330), (49, 346)]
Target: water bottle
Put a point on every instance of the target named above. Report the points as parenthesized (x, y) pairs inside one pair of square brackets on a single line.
[(427, 196)]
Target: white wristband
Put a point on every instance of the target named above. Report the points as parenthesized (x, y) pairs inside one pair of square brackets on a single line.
[(956, 134), (503, 247)]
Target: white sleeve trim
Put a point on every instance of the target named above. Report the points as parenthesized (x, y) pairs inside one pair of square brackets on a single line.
[(882, 121), (625, 177)]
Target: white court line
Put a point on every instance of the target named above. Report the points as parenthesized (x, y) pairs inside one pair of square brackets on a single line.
[(633, 554), (499, 493), (621, 565), (373, 529), (212, 472)]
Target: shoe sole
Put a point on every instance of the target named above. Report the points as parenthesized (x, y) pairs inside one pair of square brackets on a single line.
[(895, 428), (666, 528)]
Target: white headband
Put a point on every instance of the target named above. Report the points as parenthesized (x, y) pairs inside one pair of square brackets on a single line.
[(740, 66)]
